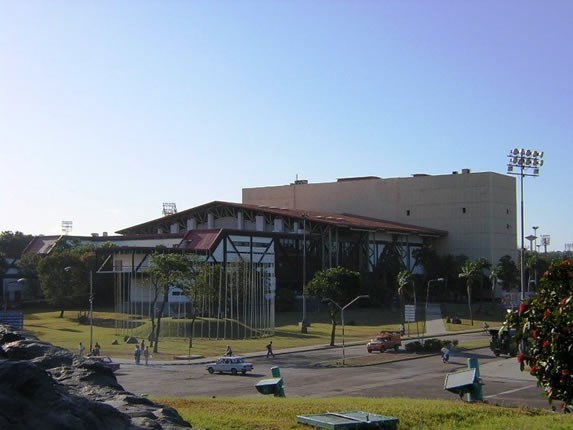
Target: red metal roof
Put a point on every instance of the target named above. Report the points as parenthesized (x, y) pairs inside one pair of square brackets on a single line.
[(340, 220), (200, 240)]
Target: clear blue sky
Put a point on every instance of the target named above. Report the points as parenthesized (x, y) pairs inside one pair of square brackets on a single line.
[(108, 109)]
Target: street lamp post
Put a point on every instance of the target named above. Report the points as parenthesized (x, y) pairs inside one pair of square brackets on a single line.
[(342, 308), (524, 160), (535, 227), (91, 311), (91, 301), (6, 292), (428, 289), (304, 323)]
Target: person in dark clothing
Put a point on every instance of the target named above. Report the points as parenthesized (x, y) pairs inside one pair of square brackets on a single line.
[(270, 350)]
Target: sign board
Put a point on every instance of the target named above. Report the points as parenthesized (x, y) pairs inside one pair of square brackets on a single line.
[(459, 379), (410, 313), (15, 319)]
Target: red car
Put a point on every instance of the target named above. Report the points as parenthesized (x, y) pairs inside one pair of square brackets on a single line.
[(384, 342)]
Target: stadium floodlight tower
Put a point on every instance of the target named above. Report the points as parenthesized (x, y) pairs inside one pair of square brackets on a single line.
[(524, 162)]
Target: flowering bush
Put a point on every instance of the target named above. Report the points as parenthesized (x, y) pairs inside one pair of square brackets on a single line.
[(545, 332)]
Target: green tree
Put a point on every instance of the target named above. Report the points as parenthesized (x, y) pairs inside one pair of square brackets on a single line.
[(493, 277), (167, 270), (63, 278), (472, 271), (508, 272), (404, 278), (389, 265), (206, 278), (338, 284), (28, 265), (545, 332), (13, 243)]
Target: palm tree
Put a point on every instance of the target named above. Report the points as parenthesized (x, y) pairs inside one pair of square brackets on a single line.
[(403, 279), (473, 271), (494, 276)]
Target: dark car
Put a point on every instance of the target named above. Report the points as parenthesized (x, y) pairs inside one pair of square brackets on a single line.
[(503, 342)]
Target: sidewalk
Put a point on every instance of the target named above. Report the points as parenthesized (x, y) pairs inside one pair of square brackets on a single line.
[(434, 322)]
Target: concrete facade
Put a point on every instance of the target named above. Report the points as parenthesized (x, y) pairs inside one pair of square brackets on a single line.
[(478, 210)]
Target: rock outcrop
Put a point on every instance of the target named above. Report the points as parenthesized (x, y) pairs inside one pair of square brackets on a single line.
[(47, 387)]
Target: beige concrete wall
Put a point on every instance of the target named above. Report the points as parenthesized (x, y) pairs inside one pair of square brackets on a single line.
[(477, 209)]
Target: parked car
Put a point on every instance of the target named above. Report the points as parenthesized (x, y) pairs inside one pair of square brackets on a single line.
[(503, 342), (106, 361), (233, 365), (384, 341)]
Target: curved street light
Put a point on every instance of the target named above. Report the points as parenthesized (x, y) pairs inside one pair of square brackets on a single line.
[(6, 292), (428, 288), (365, 296)]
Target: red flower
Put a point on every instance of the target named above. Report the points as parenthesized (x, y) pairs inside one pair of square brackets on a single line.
[(534, 333), (532, 370), (520, 357), (564, 372), (522, 308), (546, 314), (546, 344)]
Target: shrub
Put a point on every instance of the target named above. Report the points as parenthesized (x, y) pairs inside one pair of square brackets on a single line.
[(544, 327)]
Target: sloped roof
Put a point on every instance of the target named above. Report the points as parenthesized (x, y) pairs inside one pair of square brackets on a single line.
[(41, 245), (200, 240), (339, 220)]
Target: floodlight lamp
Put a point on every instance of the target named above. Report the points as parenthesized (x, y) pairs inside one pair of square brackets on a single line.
[(541, 154), (515, 151), (528, 161), (522, 152), (536, 153), (515, 160), (535, 162), (520, 161), (528, 153), (540, 163), (509, 168)]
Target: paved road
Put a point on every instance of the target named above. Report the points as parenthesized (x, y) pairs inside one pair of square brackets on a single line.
[(305, 377)]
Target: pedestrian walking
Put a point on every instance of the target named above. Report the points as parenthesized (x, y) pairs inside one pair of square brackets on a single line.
[(96, 350), (81, 349), (445, 354), (270, 350), (137, 354), (229, 351), (146, 355)]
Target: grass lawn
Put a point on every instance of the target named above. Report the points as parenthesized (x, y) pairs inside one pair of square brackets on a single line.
[(109, 330), (270, 413), (252, 413)]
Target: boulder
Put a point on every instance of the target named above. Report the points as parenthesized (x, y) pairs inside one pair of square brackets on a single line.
[(47, 387)]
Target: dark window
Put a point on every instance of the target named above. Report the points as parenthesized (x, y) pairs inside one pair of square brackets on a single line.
[(464, 210), (408, 212)]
